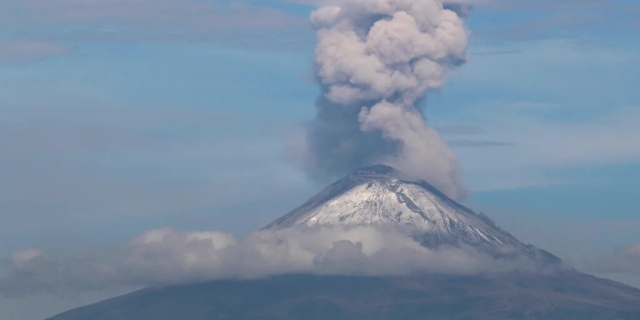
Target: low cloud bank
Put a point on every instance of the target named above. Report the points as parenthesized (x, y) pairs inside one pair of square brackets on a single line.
[(625, 260), (166, 257)]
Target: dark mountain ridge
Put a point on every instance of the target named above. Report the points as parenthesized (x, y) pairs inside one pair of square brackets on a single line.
[(564, 296)]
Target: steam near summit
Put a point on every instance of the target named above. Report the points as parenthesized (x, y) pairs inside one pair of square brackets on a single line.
[(376, 60)]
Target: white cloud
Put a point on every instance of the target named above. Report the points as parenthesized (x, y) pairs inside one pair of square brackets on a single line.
[(27, 51), (21, 258), (167, 256), (28, 272)]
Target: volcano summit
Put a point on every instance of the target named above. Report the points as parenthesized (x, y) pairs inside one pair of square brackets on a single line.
[(380, 195)]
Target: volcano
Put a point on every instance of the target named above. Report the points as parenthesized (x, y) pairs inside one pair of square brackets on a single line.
[(380, 195), (383, 196)]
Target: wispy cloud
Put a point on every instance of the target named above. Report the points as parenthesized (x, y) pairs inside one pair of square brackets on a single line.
[(537, 146), (460, 129), (478, 143), (611, 138), (28, 51), (532, 105), (93, 164), (558, 19), (469, 130), (141, 19), (197, 15)]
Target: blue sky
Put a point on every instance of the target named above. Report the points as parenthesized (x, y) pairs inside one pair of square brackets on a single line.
[(116, 118)]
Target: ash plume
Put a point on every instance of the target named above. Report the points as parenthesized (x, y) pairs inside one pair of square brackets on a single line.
[(376, 60)]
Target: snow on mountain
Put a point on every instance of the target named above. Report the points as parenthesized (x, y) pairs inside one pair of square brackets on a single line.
[(381, 195)]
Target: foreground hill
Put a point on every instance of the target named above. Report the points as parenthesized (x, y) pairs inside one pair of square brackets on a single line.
[(567, 295)]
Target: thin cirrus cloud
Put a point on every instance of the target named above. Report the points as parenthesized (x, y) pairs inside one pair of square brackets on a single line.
[(28, 51), (460, 129), (548, 19), (114, 161), (469, 131), (161, 19), (542, 147), (478, 143), (181, 18)]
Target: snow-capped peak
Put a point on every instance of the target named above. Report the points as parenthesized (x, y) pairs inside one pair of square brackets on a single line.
[(382, 195)]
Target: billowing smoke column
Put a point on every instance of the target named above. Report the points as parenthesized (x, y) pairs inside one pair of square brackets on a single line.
[(376, 60)]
